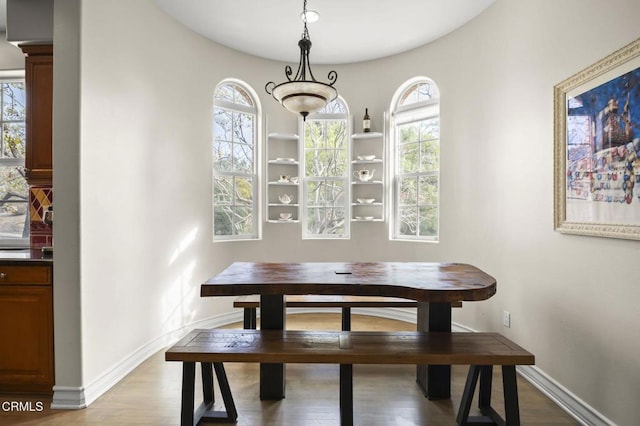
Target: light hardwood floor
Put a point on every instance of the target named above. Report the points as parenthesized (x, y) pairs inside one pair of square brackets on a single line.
[(383, 395)]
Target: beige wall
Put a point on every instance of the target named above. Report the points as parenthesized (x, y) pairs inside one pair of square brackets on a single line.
[(11, 57), (144, 178)]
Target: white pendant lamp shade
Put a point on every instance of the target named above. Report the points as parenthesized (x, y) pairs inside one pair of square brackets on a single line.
[(304, 97)]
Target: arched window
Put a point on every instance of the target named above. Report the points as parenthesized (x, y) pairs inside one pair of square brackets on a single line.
[(326, 172), (235, 162), (415, 138)]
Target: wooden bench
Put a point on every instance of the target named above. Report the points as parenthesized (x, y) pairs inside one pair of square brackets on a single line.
[(479, 350), (251, 303)]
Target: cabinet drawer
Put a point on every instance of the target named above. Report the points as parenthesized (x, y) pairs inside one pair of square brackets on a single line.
[(26, 347), (27, 274)]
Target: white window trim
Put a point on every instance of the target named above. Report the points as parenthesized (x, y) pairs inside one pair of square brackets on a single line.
[(257, 161), (399, 116)]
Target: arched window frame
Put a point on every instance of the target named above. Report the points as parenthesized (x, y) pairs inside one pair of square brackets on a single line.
[(415, 194), (308, 180), (233, 203)]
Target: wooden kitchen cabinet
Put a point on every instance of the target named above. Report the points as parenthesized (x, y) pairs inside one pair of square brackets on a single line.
[(39, 112), (26, 329)]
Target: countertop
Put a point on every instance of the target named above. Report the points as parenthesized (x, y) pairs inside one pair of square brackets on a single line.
[(21, 256)]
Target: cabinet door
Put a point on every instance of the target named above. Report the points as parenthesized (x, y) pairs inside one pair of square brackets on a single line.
[(39, 120), (26, 339)]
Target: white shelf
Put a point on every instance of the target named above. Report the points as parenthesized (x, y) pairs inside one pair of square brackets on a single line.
[(368, 144), (370, 182), (375, 160), (368, 135), (284, 136), (282, 158), (284, 162), (283, 183)]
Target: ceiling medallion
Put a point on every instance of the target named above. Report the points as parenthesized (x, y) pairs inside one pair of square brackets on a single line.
[(301, 95)]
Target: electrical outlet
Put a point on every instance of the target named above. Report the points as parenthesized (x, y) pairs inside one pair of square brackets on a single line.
[(506, 319)]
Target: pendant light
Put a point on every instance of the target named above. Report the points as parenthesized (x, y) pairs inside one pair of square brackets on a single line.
[(303, 95)]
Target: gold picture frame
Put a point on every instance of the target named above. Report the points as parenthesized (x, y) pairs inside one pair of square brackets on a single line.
[(597, 148)]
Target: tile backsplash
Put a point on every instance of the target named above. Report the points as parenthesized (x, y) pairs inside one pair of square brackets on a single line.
[(40, 198)]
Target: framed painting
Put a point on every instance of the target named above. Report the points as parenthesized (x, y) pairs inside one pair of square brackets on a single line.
[(597, 148)]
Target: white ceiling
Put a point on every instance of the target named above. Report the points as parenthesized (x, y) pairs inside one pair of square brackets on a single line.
[(348, 30)]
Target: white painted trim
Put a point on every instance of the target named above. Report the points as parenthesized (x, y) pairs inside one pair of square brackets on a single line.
[(74, 398), (71, 398), (563, 397), (68, 398)]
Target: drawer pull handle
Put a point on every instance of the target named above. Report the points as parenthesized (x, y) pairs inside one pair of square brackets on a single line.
[(3, 275)]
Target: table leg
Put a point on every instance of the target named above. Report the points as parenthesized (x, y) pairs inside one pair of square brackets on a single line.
[(434, 380), (346, 319), (249, 322), (272, 317)]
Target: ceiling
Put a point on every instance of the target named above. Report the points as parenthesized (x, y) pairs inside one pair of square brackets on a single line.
[(348, 31)]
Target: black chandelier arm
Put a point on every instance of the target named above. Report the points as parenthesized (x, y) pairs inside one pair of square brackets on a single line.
[(288, 72), (333, 77), (303, 64), (269, 87), (304, 77)]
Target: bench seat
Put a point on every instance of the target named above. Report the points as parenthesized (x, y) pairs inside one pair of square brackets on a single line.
[(251, 302), (354, 347), (479, 350)]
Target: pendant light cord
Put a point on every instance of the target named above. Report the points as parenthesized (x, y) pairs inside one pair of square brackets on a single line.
[(305, 33)]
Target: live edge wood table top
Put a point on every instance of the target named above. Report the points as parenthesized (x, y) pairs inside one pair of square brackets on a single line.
[(420, 281), (434, 286)]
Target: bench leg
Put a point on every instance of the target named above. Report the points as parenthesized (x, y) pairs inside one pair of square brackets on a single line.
[(225, 390), (250, 319), (346, 395), (489, 415), (484, 395), (189, 417), (467, 395), (207, 382), (188, 391), (511, 408)]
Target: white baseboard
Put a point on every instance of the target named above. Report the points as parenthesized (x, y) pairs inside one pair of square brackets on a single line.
[(563, 397), (74, 398), (69, 398)]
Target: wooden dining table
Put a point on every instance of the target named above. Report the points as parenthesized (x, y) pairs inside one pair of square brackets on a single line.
[(434, 286)]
